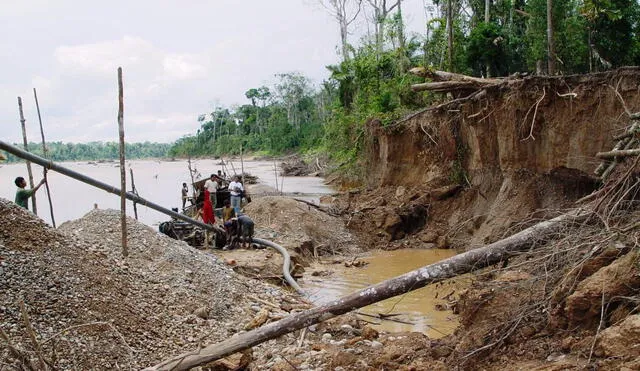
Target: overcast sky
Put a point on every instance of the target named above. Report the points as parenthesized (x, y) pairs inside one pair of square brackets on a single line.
[(180, 59)]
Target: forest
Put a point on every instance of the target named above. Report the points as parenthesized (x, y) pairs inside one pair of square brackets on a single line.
[(487, 38), (59, 151)]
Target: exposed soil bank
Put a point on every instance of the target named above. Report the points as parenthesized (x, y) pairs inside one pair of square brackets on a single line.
[(525, 147)]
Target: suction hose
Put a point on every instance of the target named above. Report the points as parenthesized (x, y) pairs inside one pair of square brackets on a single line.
[(286, 265)]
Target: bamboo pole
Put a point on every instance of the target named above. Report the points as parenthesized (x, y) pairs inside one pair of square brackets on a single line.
[(275, 172), (26, 148), (123, 173), (242, 163), (437, 272), (44, 154), (135, 192)]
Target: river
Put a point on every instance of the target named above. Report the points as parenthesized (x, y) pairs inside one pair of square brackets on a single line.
[(157, 181)]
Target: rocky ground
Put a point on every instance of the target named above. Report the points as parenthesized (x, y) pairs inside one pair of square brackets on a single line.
[(92, 309)]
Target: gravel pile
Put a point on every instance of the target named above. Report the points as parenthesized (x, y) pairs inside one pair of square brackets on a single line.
[(92, 309), (300, 227)]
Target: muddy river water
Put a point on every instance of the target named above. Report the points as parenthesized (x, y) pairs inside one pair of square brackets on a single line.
[(414, 311), (161, 181), (157, 181)]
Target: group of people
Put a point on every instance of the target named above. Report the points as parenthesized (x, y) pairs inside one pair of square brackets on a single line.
[(239, 227)]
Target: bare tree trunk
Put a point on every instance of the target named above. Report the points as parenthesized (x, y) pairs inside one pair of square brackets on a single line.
[(448, 268), (401, 40), (487, 19), (343, 40), (450, 35), (487, 15), (44, 154), (123, 173), (339, 9), (550, 40), (26, 148)]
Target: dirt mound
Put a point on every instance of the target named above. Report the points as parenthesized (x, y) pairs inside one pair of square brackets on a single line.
[(92, 309), (300, 227)]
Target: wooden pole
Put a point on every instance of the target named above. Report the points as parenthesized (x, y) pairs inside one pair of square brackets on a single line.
[(445, 269), (26, 148), (123, 173), (275, 172), (44, 154), (241, 162), (135, 192)]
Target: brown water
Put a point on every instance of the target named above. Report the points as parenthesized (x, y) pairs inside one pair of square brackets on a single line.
[(416, 307), (157, 181)]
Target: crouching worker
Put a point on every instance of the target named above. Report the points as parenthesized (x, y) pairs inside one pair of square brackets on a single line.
[(231, 229), (246, 229)]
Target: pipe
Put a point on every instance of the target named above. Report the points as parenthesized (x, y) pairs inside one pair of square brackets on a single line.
[(47, 164), (286, 265)]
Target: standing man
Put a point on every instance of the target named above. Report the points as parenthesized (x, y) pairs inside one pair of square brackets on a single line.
[(212, 186), (236, 189), (22, 195), (185, 194)]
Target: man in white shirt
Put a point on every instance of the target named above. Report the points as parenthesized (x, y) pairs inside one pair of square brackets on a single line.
[(236, 189), (212, 186)]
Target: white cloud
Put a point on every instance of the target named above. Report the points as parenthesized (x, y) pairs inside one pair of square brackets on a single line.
[(183, 67), (105, 57)]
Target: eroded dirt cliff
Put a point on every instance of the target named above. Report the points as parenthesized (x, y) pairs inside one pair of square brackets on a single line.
[(524, 147)]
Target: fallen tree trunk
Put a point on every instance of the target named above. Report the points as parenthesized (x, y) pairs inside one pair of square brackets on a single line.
[(446, 86), (450, 76), (618, 153), (448, 268)]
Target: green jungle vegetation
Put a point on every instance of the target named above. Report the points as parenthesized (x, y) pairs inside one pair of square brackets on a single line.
[(58, 151), (473, 37)]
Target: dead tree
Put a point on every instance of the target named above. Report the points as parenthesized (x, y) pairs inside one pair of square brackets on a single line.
[(381, 11), (443, 81), (445, 269), (343, 11)]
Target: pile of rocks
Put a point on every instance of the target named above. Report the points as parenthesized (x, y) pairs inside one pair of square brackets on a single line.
[(93, 309)]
